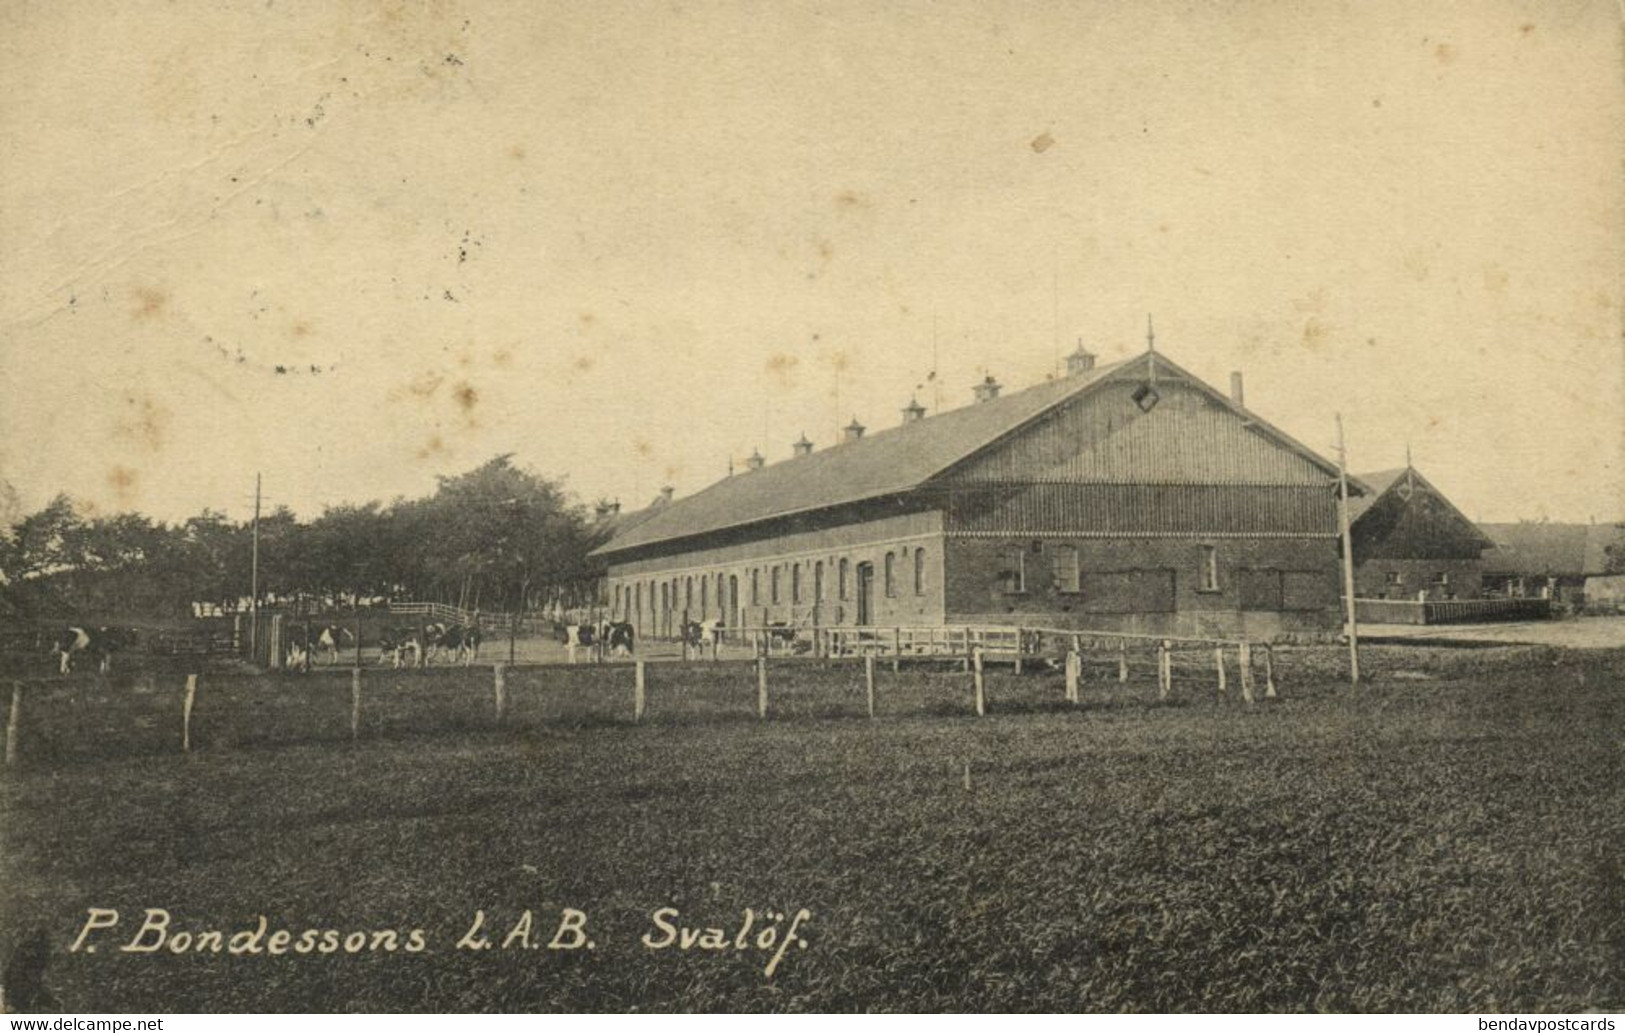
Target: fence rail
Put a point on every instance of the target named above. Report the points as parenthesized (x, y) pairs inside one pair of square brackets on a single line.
[(448, 614), (1450, 611), (68, 720)]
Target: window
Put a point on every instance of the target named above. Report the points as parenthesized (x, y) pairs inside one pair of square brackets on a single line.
[(755, 587), (1395, 578), (840, 583), (891, 575), (818, 581), (919, 571), (705, 595), (1210, 569), (688, 593), (1067, 578), (638, 595), (774, 587), (795, 582), (1012, 575), (1440, 578)]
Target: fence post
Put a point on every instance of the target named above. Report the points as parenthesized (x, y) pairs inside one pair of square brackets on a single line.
[(981, 691), (499, 687), (638, 698), (186, 713), (358, 637), (355, 702), (761, 687), (13, 719), (1122, 660), (1165, 669), (1269, 672), (1218, 663), (1073, 665), (869, 682), (1244, 656), (896, 649)]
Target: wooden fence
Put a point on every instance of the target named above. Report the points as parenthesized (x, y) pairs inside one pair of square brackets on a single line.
[(1450, 611), (68, 720)]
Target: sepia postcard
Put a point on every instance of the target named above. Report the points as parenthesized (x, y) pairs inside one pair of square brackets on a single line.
[(911, 506)]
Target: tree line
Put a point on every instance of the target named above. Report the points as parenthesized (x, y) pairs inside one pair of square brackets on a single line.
[(498, 537)]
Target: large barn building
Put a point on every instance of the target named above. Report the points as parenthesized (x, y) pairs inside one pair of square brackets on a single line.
[(1129, 497)]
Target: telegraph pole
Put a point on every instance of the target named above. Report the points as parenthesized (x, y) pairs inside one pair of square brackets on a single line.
[(254, 579), (1348, 555)]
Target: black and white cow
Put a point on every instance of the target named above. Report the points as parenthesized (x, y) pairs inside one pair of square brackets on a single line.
[(697, 635), (328, 638), (788, 636), (458, 642), (619, 638), (400, 646), (98, 644)]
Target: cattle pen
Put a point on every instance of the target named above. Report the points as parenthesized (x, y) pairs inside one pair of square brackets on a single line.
[(748, 675)]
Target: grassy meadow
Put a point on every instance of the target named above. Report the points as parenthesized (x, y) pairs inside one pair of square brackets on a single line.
[(1446, 840)]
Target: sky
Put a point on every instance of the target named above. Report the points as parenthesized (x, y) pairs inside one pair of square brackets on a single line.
[(353, 246)]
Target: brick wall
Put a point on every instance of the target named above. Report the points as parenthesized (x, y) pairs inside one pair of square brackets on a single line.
[(1151, 586)]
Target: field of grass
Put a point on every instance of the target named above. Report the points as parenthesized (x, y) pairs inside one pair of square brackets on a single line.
[(1447, 840)]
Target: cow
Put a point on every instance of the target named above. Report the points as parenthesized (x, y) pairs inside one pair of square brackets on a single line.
[(699, 634), (99, 644), (786, 633), (458, 642), (328, 638), (619, 638), (397, 644)]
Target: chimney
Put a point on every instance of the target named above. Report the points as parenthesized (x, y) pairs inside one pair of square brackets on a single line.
[(913, 411), (601, 510), (802, 447), (755, 461), (853, 431), (987, 390), (1080, 361), (666, 492), (1236, 393)]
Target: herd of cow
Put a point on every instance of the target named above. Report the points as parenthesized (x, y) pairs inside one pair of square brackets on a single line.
[(401, 647)]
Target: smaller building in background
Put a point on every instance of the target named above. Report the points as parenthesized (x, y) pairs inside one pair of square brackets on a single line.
[(1411, 543), (1540, 559)]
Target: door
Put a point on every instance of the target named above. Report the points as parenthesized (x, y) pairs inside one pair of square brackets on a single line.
[(866, 592)]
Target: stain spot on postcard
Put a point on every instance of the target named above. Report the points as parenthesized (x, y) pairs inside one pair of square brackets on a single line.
[(781, 367), (1315, 333), (122, 481), (1042, 142), (143, 422), (436, 445), (150, 303)]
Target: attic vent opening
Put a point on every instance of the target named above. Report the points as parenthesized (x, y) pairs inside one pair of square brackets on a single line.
[(1145, 396)]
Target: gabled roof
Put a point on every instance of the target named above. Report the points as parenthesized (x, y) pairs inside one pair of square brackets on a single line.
[(1541, 548), (1379, 483), (897, 459), (1384, 481)]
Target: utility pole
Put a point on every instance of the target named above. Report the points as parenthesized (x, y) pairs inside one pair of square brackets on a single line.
[(254, 579), (1348, 555)]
